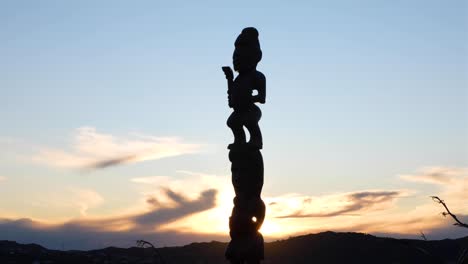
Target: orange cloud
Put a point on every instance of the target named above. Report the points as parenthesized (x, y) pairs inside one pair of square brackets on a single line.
[(197, 206), (452, 184)]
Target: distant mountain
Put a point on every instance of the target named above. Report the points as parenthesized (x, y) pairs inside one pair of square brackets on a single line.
[(326, 247)]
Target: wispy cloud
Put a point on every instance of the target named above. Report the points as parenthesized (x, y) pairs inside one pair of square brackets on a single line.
[(183, 207), (86, 199), (451, 184), (94, 150), (2, 178), (166, 207), (64, 203), (437, 175), (342, 204)]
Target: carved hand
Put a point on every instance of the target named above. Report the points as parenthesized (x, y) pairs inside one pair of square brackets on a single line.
[(228, 72)]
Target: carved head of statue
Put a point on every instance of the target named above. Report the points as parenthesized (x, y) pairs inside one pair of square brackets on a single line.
[(247, 52)]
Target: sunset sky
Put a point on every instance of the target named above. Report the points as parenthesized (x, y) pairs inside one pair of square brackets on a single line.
[(113, 119)]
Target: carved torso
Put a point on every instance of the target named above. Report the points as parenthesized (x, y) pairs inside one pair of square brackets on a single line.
[(240, 96)]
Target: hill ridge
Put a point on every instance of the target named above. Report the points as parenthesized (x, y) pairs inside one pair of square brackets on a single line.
[(323, 247)]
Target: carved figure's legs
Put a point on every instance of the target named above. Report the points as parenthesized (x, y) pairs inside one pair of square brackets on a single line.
[(248, 118), (252, 118), (256, 140), (236, 123)]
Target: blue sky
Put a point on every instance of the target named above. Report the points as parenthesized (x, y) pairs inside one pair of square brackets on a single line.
[(358, 94)]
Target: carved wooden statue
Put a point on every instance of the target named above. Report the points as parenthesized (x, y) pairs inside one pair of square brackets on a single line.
[(244, 91)]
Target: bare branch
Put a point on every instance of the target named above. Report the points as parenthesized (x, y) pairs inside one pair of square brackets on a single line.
[(423, 236), (440, 201), (143, 243)]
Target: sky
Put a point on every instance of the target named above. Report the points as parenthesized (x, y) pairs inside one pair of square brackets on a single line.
[(113, 119)]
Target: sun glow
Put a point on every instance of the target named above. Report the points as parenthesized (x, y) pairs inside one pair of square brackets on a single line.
[(216, 220), (280, 218), (213, 221), (286, 215)]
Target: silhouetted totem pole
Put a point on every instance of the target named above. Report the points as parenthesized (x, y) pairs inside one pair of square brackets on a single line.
[(247, 216)]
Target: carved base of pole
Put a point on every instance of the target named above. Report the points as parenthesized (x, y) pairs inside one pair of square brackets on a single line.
[(248, 214), (246, 250)]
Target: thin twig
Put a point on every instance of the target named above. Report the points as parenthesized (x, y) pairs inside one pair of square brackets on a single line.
[(458, 222)]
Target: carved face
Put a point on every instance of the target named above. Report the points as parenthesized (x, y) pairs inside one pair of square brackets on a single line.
[(244, 59)]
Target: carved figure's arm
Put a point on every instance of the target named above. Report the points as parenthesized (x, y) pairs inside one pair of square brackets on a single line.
[(230, 82), (261, 88), (229, 76)]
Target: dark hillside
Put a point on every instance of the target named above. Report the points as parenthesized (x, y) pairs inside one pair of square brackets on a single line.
[(327, 247)]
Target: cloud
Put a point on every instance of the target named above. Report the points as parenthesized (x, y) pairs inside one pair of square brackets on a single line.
[(153, 180), (343, 204), (93, 150), (434, 227), (2, 178), (112, 162), (187, 182), (86, 199), (77, 235), (292, 214), (437, 175), (85, 233), (192, 185), (176, 206), (184, 207), (451, 183), (196, 206)]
